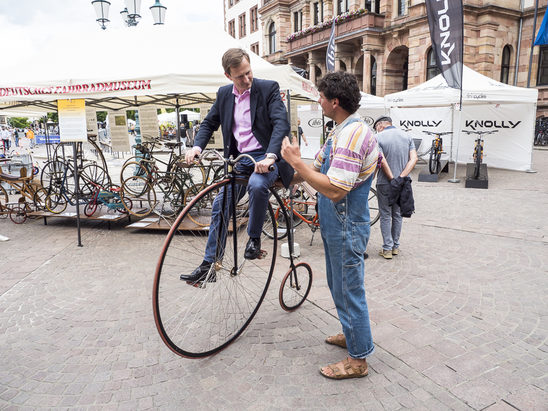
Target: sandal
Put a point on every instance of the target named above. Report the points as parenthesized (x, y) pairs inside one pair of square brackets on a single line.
[(348, 371), (338, 340)]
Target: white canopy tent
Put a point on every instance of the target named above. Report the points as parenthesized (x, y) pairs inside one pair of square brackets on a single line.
[(172, 117), (487, 105), (97, 67), (371, 107)]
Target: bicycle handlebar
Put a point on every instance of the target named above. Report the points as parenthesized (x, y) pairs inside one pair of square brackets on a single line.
[(480, 133), (434, 133)]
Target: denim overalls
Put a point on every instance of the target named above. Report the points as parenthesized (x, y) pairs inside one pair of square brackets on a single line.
[(345, 231)]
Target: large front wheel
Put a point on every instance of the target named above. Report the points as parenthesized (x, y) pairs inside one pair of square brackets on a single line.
[(200, 319)]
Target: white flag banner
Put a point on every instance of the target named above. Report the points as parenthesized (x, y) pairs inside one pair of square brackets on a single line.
[(330, 55)]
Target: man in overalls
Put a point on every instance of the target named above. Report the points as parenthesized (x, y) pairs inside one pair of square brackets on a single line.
[(342, 174)]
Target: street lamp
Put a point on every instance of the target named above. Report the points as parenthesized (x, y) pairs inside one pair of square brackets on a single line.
[(158, 13), (101, 10), (130, 14)]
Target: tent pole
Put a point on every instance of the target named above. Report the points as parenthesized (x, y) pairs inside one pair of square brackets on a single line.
[(178, 122)]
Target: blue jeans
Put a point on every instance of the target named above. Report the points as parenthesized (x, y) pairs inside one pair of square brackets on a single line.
[(257, 187), (390, 219), (345, 228)]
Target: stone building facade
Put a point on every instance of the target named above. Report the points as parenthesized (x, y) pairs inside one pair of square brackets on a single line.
[(386, 43)]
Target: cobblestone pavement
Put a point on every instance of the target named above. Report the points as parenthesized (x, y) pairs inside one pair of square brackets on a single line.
[(459, 317)]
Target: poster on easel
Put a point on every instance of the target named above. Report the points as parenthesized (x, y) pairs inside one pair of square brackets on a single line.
[(148, 122), (91, 123), (72, 120), (216, 140), (119, 135)]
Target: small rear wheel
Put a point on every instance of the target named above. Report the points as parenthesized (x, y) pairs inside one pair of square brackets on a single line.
[(56, 203), (18, 214), (295, 286)]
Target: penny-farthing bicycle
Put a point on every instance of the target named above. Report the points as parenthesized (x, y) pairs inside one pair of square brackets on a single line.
[(200, 319)]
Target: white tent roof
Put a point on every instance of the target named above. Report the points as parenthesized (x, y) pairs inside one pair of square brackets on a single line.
[(371, 101), (98, 67), (477, 88)]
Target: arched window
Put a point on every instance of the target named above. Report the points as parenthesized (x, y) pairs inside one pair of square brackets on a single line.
[(373, 76), (272, 38), (432, 69), (505, 65)]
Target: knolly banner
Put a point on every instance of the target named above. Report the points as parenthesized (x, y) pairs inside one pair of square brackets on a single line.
[(417, 120), (446, 31), (507, 148)]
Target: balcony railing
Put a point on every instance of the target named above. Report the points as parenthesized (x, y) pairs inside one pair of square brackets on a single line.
[(346, 24)]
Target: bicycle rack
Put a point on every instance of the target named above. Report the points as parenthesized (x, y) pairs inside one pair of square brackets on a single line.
[(481, 182)]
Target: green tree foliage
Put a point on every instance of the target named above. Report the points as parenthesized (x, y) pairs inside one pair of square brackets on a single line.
[(19, 122)]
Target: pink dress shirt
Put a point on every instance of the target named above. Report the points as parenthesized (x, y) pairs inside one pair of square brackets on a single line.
[(241, 129)]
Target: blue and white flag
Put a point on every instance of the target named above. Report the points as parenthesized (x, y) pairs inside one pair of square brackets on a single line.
[(330, 55), (542, 36)]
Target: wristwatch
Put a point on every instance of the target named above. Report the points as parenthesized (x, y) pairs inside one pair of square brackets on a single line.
[(272, 156)]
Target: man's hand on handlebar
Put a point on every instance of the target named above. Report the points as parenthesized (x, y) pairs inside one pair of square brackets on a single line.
[(264, 165), (191, 154)]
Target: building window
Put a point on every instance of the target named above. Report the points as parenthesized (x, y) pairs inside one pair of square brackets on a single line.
[(542, 77), (373, 76), (241, 25), (342, 6), (432, 69), (372, 5), (505, 65), (297, 21), (315, 13), (253, 20), (272, 38), (231, 28), (255, 48), (401, 7)]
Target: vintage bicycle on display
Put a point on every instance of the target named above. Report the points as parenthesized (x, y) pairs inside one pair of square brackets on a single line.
[(434, 162), (300, 204), (200, 319), (32, 196), (478, 149)]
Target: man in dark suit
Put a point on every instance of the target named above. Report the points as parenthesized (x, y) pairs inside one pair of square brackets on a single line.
[(254, 121)]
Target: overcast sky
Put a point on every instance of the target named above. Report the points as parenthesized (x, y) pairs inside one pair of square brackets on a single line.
[(25, 22)]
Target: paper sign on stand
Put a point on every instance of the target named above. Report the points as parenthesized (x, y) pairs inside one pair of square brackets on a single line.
[(72, 120)]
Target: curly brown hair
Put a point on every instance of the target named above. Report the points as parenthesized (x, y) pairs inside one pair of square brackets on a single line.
[(344, 86)]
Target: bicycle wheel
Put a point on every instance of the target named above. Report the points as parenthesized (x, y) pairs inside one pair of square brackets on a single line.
[(18, 214), (39, 199), (90, 176), (56, 203), (133, 169), (432, 167), (373, 201), (51, 177), (167, 193), (477, 161), (279, 221), (295, 286), (142, 203), (201, 320), (90, 207)]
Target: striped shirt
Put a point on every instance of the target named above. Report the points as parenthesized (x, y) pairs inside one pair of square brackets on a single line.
[(354, 153)]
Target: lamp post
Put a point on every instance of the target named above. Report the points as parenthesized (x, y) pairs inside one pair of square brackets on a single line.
[(130, 14)]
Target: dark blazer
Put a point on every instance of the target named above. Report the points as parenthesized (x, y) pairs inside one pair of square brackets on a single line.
[(268, 118)]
